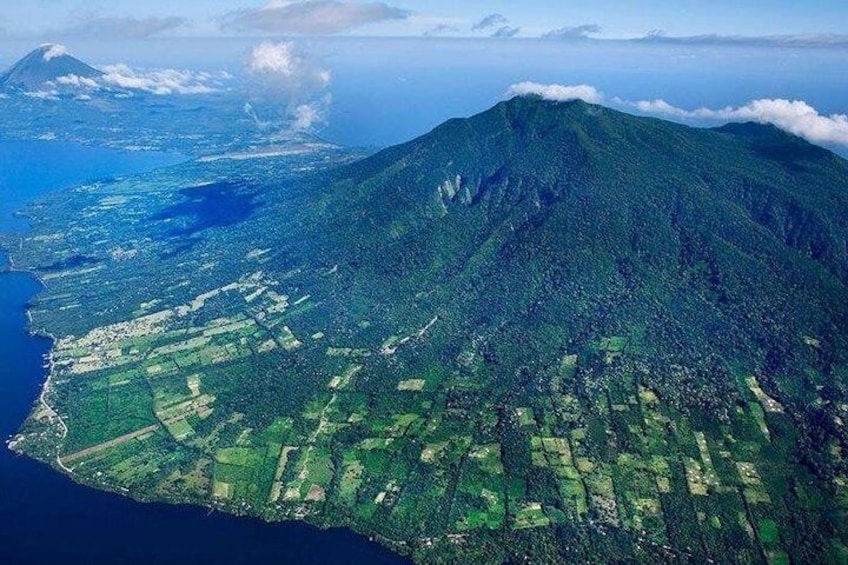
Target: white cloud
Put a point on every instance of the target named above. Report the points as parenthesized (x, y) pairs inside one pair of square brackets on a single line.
[(305, 116), (310, 16), (77, 81), (309, 116), (557, 92), (657, 106), (288, 84), (273, 58), (280, 66), (53, 50), (795, 116), (163, 82), (43, 94)]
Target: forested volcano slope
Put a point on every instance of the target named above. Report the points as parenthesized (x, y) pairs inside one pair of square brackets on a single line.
[(550, 331), (555, 224)]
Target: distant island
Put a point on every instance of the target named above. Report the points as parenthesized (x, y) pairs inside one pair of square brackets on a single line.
[(51, 64), (551, 331)]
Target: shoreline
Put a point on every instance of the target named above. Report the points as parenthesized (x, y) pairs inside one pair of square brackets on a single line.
[(49, 361), (44, 377), (15, 443), (400, 549)]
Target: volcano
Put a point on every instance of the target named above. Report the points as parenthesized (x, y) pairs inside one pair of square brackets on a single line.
[(45, 66)]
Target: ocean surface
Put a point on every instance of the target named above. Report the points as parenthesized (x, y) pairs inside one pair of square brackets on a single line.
[(44, 516)]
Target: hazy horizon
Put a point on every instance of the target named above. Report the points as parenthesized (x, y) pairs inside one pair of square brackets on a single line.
[(371, 99)]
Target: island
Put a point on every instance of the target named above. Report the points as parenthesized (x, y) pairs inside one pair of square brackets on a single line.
[(551, 332)]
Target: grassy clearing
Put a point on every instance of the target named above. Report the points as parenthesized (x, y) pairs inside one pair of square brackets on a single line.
[(574, 496), (282, 463), (768, 403), (525, 416), (344, 380), (351, 478), (488, 458), (179, 429), (193, 384), (347, 352), (241, 456), (768, 532), (287, 339), (414, 385), (530, 515), (221, 489)]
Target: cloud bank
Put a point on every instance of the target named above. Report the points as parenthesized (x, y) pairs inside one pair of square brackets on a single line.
[(79, 82), (162, 82), (120, 78), (319, 17), (794, 116), (810, 40)]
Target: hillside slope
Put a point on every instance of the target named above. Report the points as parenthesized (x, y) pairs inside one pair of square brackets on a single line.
[(593, 222)]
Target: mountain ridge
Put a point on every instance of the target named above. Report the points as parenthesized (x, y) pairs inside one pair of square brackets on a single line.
[(569, 149)]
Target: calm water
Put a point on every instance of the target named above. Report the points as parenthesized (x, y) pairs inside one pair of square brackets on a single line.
[(29, 168), (44, 517)]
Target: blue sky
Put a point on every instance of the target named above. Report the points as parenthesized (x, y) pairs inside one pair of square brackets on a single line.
[(378, 72), (529, 18)]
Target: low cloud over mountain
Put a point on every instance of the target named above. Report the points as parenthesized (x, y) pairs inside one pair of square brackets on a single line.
[(794, 116)]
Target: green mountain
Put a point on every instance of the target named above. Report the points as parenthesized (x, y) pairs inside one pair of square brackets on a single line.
[(551, 331), (559, 224)]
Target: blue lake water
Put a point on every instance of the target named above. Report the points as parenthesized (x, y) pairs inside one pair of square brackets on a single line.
[(44, 516)]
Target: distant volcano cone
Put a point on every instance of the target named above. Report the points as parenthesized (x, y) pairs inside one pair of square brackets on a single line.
[(45, 65)]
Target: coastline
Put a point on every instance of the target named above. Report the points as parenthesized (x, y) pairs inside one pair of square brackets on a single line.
[(41, 444), (75, 507), (49, 366), (402, 550)]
